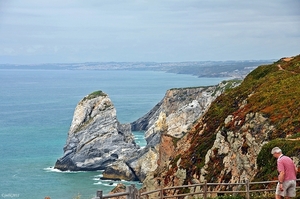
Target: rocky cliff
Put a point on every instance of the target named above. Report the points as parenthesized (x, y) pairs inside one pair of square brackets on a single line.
[(96, 138), (220, 133), (231, 142), (169, 119)]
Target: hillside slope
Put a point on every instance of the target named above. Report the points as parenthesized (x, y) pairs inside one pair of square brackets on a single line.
[(232, 141)]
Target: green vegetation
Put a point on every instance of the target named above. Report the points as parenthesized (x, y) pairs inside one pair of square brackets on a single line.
[(191, 87), (276, 94), (213, 69), (295, 136), (267, 163), (272, 90), (94, 95)]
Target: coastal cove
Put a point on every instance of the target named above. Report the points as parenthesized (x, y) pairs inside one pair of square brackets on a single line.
[(36, 111)]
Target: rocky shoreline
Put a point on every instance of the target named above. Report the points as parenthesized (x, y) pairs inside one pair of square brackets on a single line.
[(97, 141)]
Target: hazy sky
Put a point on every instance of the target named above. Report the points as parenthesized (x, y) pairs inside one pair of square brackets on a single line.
[(37, 31)]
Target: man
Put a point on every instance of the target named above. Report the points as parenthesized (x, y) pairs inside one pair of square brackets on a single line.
[(286, 186)]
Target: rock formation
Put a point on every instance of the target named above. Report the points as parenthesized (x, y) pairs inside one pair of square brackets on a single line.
[(232, 140), (168, 120), (212, 134), (96, 138)]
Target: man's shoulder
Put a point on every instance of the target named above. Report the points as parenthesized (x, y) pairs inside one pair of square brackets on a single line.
[(284, 158)]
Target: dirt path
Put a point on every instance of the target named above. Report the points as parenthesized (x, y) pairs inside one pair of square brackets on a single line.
[(280, 68)]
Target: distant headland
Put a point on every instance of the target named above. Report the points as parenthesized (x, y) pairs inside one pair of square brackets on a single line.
[(233, 69)]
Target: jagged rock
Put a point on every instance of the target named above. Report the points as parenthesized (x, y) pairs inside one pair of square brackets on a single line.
[(170, 120), (145, 162), (239, 149), (147, 120), (181, 107), (96, 138), (119, 170), (174, 100)]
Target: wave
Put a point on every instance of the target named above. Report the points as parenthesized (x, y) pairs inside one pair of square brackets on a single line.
[(52, 169), (113, 184)]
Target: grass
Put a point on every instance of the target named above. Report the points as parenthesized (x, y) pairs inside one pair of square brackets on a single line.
[(94, 95)]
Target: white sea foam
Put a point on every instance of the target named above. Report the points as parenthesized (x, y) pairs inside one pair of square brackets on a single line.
[(97, 183), (99, 175), (105, 184), (52, 169)]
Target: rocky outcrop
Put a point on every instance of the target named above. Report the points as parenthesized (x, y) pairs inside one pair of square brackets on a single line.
[(185, 104), (238, 149), (168, 120), (96, 139), (176, 99), (230, 159)]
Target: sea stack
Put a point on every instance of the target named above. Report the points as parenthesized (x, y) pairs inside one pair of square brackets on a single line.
[(96, 139)]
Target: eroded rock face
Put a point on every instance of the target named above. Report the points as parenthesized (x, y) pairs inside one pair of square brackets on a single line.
[(96, 138), (178, 101), (169, 120), (181, 107), (119, 170), (231, 159), (239, 149)]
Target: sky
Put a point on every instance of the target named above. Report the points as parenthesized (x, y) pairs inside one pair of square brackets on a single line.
[(76, 31)]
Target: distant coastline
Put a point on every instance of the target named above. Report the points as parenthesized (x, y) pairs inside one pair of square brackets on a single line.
[(233, 69)]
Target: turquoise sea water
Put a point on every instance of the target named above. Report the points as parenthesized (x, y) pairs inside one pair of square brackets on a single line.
[(36, 111)]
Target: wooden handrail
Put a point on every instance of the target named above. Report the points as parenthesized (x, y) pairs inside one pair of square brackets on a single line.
[(133, 193)]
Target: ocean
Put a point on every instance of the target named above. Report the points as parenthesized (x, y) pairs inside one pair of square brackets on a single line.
[(36, 111)]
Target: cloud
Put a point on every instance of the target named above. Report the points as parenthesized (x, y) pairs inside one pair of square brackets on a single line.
[(141, 30)]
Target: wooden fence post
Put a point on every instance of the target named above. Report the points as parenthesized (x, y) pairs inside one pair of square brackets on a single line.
[(205, 190), (133, 191), (247, 189), (128, 189), (139, 194), (161, 192), (99, 194)]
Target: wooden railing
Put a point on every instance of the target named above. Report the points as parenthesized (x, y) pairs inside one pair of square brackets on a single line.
[(202, 190)]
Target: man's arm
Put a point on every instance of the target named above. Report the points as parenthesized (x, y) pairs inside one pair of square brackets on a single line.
[(280, 179), (281, 176)]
